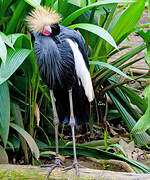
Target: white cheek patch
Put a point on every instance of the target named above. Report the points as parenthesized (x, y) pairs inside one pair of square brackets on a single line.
[(48, 28), (82, 71)]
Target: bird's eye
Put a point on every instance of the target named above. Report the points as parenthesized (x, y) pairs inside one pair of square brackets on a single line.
[(55, 29)]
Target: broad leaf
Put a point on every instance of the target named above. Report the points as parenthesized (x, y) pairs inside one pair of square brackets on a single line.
[(34, 148), (77, 13), (3, 50), (77, 2), (99, 154), (14, 37), (34, 3), (126, 22), (4, 112), (6, 40), (16, 18), (144, 122), (14, 60), (96, 30)]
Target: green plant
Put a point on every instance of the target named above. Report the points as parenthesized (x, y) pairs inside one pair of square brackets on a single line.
[(143, 123), (16, 54), (104, 26)]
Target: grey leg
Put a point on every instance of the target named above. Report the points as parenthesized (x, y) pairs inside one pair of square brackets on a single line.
[(56, 120), (58, 162), (72, 124)]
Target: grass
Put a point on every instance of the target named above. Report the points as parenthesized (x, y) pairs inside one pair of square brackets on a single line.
[(18, 174)]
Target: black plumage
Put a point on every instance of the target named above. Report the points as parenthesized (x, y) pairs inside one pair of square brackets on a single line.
[(57, 69), (63, 66)]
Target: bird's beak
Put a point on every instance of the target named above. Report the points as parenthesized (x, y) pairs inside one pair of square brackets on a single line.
[(47, 31)]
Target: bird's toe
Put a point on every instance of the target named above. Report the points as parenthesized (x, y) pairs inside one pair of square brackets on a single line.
[(75, 166), (57, 163)]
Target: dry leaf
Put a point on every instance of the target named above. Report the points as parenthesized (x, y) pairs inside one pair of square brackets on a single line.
[(128, 148), (37, 114), (137, 152)]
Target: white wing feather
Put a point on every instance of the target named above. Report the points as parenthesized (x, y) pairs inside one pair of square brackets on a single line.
[(82, 71)]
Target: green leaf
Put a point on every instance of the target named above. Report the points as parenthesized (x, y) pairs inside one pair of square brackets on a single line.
[(6, 40), (34, 3), (96, 30), (119, 147), (146, 92), (14, 37), (128, 117), (144, 122), (135, 98), (109, 66), (3, 50), (76, 2), (4, 112), (147, 40), (99, 154), (77, 13), (14, 60), (3, 6), (126, 22), (101, 142), (147, 55), (15, 18), (11, 146), (34, 148), (49, 3)]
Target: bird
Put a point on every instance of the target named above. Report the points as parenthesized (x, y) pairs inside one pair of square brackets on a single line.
[(64, 67)]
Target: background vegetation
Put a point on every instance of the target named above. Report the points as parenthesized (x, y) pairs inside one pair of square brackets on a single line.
[(25, 110)]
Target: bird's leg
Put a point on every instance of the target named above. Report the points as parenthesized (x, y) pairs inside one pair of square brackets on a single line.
[(72, 124), (75, 164), (58, 162), (56, 122)]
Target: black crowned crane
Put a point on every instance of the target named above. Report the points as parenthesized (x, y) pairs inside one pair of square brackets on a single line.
[(63, 66)]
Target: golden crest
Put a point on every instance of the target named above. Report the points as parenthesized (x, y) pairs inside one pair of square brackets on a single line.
[(38, 19)]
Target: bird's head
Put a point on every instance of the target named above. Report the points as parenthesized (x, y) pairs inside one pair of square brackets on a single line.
[(44, 22)]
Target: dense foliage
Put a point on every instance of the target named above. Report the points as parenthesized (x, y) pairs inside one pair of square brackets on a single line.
[(25, 109)]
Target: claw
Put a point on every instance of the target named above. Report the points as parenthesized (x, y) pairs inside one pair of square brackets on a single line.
[(51, 169), (58, 163), (75, 165)]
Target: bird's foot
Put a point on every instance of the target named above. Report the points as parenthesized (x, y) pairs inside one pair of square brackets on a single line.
[(75, 165), (57, 163)]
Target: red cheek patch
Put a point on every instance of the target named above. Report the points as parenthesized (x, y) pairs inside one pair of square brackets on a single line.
[(46, 32)]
